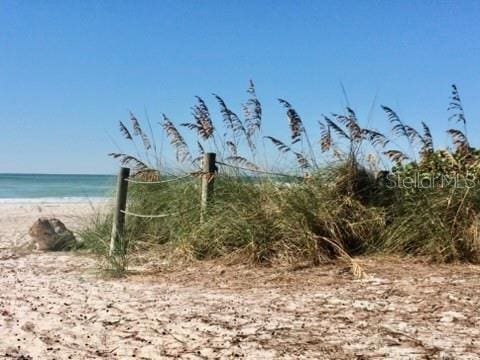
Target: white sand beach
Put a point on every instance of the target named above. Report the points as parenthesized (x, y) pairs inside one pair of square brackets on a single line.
[(54, 305)]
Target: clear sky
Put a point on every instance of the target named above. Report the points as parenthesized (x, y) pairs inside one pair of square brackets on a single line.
[(69, 70)]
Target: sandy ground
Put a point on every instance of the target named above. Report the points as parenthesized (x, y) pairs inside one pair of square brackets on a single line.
[(57, 306)]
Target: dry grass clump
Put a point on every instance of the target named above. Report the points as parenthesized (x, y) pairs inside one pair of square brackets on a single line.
[(317, 200)]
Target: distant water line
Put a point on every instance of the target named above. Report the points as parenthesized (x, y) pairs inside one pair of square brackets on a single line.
[(55, 187)]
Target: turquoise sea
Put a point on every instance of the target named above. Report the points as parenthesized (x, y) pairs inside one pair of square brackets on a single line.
[(14, 187)]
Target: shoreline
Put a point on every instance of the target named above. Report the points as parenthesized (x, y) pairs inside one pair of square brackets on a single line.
[(55, 200)]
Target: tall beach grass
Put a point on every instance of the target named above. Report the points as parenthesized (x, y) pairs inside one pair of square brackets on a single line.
[(334, 195)]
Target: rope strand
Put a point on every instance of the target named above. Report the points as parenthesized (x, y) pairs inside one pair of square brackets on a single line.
[(147, 216), (256, 170), (153, 216), (157, 182)]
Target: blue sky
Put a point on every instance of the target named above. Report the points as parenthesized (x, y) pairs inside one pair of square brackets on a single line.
[(70, 70)]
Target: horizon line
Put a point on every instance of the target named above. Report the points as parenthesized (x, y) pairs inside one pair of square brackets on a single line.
[(47, 173)]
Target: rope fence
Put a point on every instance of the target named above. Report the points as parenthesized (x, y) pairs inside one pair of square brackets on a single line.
[(156, 216), (207, 174)]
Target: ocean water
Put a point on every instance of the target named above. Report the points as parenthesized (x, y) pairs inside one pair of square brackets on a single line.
[(53, 187)]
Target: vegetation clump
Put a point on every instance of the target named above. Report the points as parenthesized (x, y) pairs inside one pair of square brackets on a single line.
[(300, 199)]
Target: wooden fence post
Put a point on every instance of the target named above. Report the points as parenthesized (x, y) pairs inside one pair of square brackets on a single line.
[(119, 216), (208, 179)]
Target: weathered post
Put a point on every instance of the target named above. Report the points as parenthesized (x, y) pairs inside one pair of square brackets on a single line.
[(119, 215), (208, 179)]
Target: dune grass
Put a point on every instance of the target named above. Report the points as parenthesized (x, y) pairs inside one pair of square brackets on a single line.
[(316, 201)]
